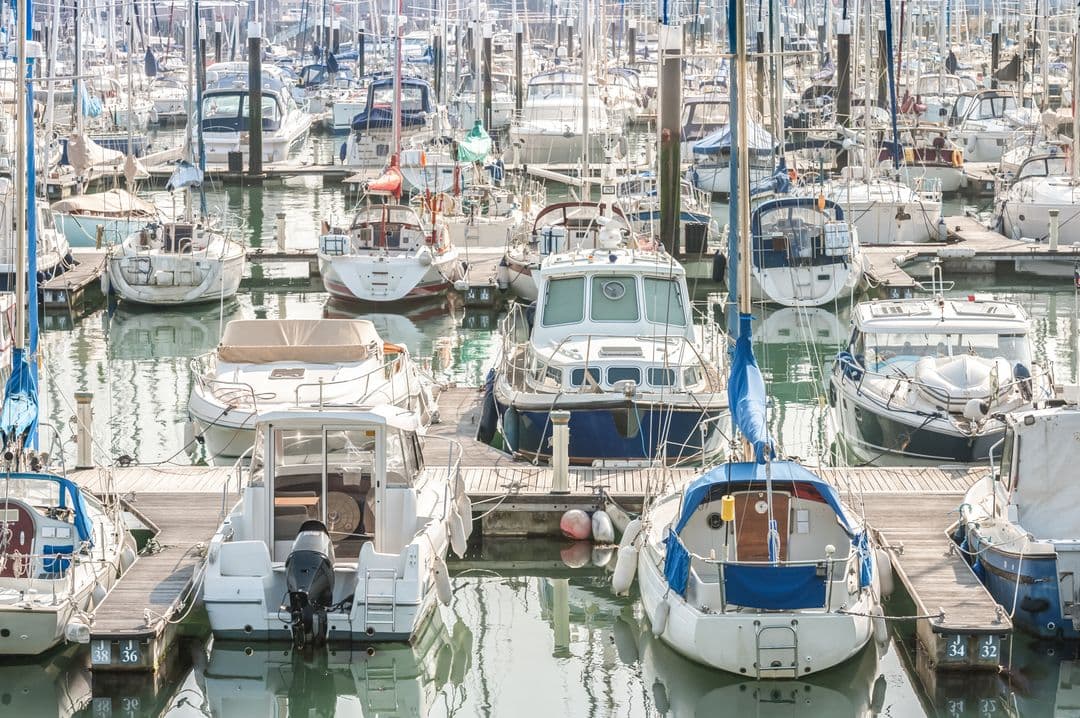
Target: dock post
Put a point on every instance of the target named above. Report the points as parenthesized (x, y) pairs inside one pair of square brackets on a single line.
[(882, 71), (560, 452), (631, 41), (486, 69), (279, 231), (360, 53), (519, 81), (569, 39), (438, 53), (995, 53), (335, 36), (1055, 228), (669, 126), (84, 430), (255, 168), (218, 26), (759, 71), (843, 81)]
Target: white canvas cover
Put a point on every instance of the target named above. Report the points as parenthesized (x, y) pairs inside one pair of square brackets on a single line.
[(113, 203), (315, 341), (1047, 491)]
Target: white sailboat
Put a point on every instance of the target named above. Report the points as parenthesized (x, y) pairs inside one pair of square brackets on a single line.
[(61, 549), (756, 568)]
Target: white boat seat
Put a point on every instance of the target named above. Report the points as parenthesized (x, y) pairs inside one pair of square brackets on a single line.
[(244, 558)]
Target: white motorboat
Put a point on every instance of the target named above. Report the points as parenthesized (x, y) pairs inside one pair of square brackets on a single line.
[(711, 156), (927, 380), (340, 535), (388, 254), (182, 262), (463, 105), (103, 218), (1043, 183), (371, 142), (265, 365), (225, 113), (552, 124), (984, 121)]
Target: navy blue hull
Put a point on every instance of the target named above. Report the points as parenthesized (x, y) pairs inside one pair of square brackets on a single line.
[(1038, 605), (631, 431)]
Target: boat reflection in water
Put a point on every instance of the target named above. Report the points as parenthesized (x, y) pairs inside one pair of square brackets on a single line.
[(57, 684), (386, 680), (140, 333)]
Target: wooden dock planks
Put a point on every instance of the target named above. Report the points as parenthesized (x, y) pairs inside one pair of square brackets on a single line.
[(134, 626)]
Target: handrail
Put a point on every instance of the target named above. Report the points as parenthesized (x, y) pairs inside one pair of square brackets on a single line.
[(845, 362), (391, 367)]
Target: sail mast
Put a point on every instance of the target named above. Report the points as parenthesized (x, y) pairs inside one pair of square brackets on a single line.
[(20, 175)]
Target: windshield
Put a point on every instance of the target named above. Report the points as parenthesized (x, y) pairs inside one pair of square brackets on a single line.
[(412, 98), (900, 350)]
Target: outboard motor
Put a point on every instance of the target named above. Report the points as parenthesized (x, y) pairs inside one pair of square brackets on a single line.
[(309, 578)]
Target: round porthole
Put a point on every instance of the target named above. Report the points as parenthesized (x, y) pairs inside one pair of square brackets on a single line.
[(614, 290), (715, 521)]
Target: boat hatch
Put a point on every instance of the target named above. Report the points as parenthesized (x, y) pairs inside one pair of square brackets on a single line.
[(288, 373), (620, 352), (983, 309), (897, 309)]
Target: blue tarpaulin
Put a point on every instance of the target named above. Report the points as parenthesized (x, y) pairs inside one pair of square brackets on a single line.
[(746, 393), (774, 588), (758, 141)]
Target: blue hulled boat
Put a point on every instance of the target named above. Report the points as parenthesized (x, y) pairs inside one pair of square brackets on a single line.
[(1019, 528), (611, 340)]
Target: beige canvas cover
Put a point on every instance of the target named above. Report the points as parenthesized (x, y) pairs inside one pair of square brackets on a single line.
[(113, 203), (315, 341)]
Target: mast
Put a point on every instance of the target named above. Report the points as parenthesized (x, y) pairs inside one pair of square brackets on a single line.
[(742, 204), (1075, 164), (585, 140), (21, 121), (399, 21)]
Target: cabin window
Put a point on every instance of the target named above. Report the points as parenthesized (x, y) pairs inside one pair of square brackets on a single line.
[(614, 299), (217, 106), (691, 376), (661, 377), (577, 376), (664, 302), (623, 373), (565, 303), (555, 375)]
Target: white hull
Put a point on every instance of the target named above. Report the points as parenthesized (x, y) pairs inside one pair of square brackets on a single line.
[(728, 641), (379, 277), (806, 286), (170, 279), (276, 145), (550, 144), (1030, 220)]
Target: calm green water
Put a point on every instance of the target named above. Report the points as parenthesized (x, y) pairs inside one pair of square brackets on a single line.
[(538, 641)]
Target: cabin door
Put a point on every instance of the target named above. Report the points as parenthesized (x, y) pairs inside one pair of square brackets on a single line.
[(17, 540), (752, 525)]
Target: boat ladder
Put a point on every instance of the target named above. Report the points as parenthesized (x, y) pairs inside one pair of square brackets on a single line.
[(381, 685), (777, 651), (380, 599)]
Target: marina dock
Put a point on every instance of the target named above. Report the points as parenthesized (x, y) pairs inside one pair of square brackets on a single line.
[(960, 627)]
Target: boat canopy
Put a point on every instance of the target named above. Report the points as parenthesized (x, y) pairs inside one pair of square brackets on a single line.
[(415, 104), (113, 203), (319, 341), (759, 141), (773, 587), (69, 496), (1040, 476)]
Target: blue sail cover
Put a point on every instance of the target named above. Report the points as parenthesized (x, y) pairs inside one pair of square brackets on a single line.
[(380, 116), (746, 393), (758, 141), (780, 587)]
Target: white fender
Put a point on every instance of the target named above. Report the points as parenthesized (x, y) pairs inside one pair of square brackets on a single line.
[(458, 540), (99, 594), (442, 581), (659, 622), (881, 631), (105, 283), (601, 556), (883, 564), (127, 557), (629, 536), (602, 529), (625, 569), (463, 504)]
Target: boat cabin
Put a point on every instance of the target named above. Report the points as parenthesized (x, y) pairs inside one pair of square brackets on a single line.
[(892, 336), (1045, 165), (794, 231), (46, 525), (391, 227), (355, 471), (225, 105)]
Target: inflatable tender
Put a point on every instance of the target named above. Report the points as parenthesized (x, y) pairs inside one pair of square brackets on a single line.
[(951, 382)]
